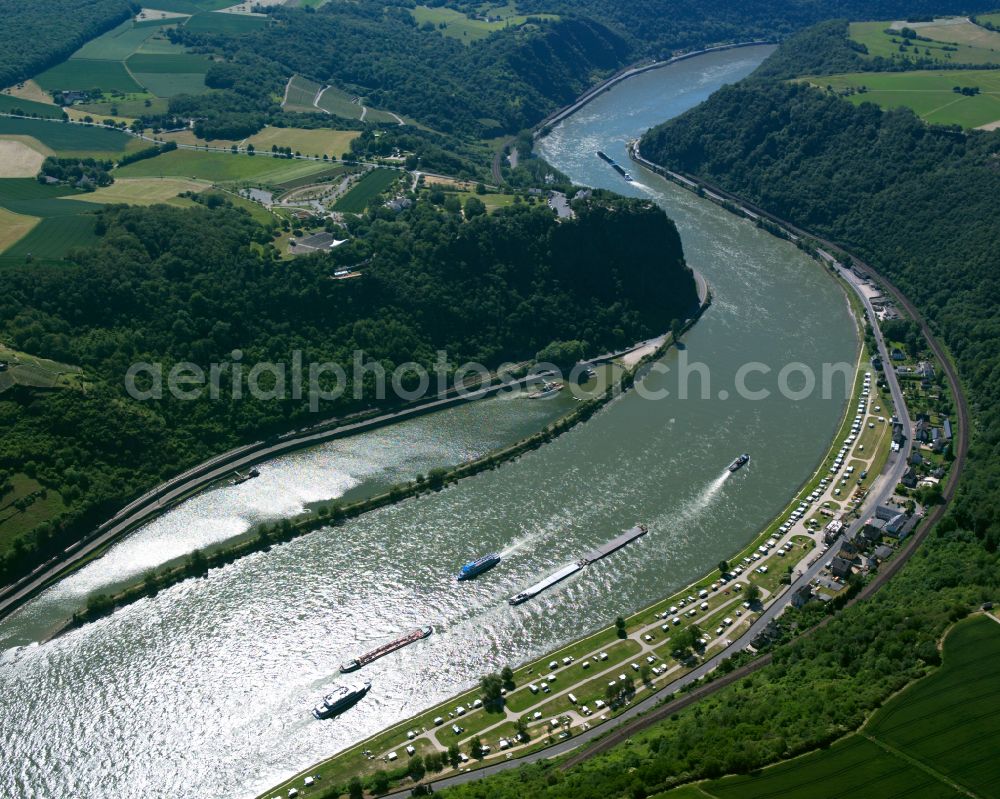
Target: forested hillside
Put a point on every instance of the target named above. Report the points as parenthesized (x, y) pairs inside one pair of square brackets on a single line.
[(168, 285), (35, 36)]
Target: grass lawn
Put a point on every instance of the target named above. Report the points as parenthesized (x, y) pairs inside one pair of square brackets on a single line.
[(14, 226), (308, 142), (18, 105), (466, 29), (371, 185), (142, 191), (880, 43), (939, 731), (78, 73), (68, 137), (927, 92), (39, 504), (221, 167)]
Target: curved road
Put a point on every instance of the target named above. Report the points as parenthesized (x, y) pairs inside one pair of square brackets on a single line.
[(637, 717)]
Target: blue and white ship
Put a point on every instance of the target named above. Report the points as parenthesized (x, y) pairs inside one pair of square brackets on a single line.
[(477, 567)]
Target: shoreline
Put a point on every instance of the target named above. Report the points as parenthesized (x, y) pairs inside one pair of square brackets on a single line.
[(330, 512)]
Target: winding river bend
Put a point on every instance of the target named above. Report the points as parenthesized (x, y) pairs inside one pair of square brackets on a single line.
[(205, 690)]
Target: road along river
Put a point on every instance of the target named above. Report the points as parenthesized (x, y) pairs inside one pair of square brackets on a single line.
[(205, 690)]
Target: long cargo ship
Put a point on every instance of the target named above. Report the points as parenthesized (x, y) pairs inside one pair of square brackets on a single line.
[(614, 165), (477, 567), (341, 698), (601, 552), (405, 640)]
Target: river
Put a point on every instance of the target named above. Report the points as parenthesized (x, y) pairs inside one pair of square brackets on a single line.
[(205, 690)]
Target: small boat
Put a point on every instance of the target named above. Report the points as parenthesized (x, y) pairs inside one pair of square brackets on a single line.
[(739, 463), (242, 478)]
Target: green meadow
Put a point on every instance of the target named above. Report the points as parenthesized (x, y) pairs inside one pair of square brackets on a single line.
[(70, 137), (9, 105), (222, 167), (928, 93), (370, 186), (468, 29), (954, 50)]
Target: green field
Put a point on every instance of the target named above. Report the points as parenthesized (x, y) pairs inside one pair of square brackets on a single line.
[(9, 105), (117, 44), (929, 93), (190, 6), (52, 238), (466, 29), (993, 19), (164, 85), (167, 63), (67, 137), (880, 43), (225, 23), (84, 74), (371, 185), (339, 102), (221, 167), (939, 733), (300, 95)]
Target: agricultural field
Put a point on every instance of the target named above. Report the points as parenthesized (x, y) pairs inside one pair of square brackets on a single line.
[(370, 186), (61, 221), (84, 74), (467, 29), (13, 227), (928, 93), (143, 191), (961, 31), (66, 138), (52, 238), (938, 738), (190, 6), (214, 22), (308, 142), (300, 95), (164, 85), (950, 50), (18, 105), (221, 167), (21, 157)]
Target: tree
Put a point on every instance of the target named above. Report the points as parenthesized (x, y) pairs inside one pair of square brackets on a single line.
[(507, 675), (676, 328), (753, 594), (355, 790), (723, 566), (476, 747), (492, 685), (380, 781), (251, 149), (415, 768), (620, 627), (521, 726), (474, 207), (454, 755)]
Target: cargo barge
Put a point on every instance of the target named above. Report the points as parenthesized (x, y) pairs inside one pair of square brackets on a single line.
[(614, 165), (600, 552), (405, 640)]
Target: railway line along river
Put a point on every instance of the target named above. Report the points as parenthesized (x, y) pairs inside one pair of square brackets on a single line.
[(206, 689)]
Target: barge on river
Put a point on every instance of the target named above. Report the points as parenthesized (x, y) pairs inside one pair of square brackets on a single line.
[(405, 640)]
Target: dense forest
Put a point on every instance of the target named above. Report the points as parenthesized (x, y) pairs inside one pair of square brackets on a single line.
[(36, 36), (167, 285)]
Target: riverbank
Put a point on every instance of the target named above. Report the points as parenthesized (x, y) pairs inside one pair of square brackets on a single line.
[(332, 512), (647, 644)]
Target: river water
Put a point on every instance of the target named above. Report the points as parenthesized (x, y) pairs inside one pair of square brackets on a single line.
[(205, 690)]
